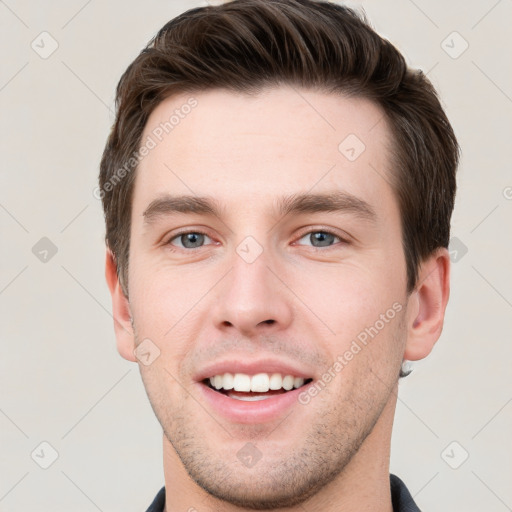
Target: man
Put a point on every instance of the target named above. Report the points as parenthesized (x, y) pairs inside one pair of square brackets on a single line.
[(277, 188)]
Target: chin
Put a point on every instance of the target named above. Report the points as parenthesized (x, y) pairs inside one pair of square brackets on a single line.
[(257, 492), (281, 478)]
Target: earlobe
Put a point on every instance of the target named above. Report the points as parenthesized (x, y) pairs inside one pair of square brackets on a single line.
[(428, 301), (123, 328)]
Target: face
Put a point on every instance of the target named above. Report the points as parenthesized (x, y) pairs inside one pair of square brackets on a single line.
[(266, 254)]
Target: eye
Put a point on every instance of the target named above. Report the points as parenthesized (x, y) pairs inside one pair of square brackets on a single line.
[(320, 238), (189, 240)]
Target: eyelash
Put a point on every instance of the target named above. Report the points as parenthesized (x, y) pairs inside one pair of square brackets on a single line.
[(177, 235), (327, 232), (199, 232)]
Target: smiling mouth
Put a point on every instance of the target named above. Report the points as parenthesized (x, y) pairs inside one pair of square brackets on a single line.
[(250, 388)]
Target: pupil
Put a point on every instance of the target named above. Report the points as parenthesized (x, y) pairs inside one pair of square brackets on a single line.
[(323, 238), (191, 240)]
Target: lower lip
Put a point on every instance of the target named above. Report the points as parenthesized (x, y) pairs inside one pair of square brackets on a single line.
[(260, 411)]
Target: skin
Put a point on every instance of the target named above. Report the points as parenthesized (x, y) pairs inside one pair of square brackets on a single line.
[(199, 305)]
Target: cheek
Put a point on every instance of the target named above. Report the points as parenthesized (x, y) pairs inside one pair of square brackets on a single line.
[(159, 295), (351, 297), (370, 360), (168, 306), (366, 312)]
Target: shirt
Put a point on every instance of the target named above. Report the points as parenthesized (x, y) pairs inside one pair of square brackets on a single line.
[(400, 497)]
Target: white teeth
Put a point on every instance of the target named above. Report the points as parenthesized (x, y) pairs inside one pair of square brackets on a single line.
[(259, 383), (276, 381), (228, 381), (298, 382), (242, 382), (248, 398), (288, 382), (217, 381)]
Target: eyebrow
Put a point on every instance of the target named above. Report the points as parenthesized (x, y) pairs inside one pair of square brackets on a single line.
[(338, 201)]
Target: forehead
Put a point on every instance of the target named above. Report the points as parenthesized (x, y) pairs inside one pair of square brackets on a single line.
[(248, 149)]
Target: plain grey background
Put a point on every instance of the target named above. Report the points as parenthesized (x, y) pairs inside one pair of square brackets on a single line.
[(62, 382)]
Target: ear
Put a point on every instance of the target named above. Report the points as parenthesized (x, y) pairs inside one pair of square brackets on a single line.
[(121, 310), (427, 305)]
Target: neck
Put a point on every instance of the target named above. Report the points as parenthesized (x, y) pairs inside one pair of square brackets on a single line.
[(362, 486)]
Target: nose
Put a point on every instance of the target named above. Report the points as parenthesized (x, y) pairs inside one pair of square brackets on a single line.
[(252, 300)]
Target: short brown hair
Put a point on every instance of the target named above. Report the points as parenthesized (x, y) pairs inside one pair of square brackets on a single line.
[(246, 45)]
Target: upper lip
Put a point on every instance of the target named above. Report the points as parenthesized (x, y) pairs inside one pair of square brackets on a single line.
[(251, 367)]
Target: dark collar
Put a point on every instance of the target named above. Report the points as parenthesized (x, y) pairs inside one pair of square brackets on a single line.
[(401, 497)]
